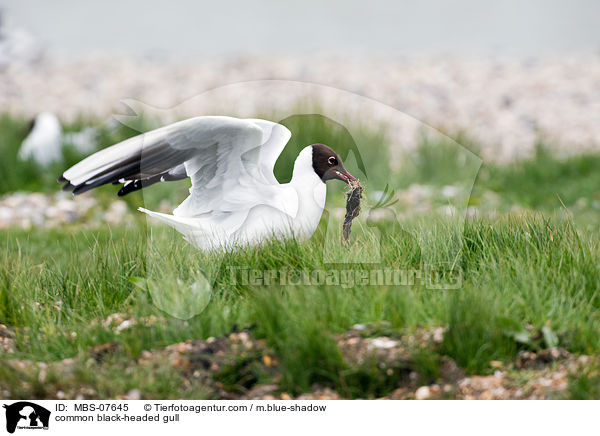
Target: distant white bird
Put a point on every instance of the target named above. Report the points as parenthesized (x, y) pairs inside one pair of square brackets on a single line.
[(44, 143), (84, 141), (235, 199), (45, 140)]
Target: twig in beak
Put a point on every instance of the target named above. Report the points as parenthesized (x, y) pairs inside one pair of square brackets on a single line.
[(352, 206)]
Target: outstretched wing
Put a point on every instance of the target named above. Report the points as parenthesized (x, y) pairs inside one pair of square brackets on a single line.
[(227, 159), (275, 137)]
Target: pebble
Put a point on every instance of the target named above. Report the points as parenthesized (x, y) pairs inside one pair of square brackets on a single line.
[(134, 394), (383, 342), (123, 326), (423, 393), (438, 334), (451, 191)]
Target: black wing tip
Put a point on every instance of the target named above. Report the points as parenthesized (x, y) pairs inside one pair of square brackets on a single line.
[(77, 189), (129, 187), (84, 187), (68, 187), (80, 189)]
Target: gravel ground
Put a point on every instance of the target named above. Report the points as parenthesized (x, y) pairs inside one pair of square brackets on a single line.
[(504, 104), (27, 210), (533, 375)]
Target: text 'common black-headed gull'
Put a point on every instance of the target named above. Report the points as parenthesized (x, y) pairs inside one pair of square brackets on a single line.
[(235, 198)]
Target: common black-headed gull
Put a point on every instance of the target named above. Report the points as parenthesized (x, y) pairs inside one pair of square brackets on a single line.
[(45, 140), (235, 198)]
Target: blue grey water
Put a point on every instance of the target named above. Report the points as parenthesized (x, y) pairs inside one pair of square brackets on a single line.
[(196, 28)]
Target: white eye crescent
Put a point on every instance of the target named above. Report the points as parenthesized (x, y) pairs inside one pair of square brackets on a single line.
[(332, 160)]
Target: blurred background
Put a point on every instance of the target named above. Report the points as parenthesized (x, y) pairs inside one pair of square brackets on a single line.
[(506, 80), (505, 73), (188, 28)]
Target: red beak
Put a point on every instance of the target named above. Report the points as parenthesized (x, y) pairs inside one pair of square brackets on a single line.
[(345, 176)]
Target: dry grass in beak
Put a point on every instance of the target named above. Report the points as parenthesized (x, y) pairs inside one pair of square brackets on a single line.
[(353, 198)]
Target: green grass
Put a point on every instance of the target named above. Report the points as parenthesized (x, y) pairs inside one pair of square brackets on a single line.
[(539, 268), (586, 384), (529, 271), (542, 182)]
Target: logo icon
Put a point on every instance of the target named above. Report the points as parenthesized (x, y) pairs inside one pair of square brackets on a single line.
[(26, 415)]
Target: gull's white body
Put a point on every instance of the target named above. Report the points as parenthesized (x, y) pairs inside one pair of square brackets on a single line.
[(235, 200), (292, 210), (44, 142)]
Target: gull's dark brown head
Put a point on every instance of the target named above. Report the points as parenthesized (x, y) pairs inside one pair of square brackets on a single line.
[(328, 166)]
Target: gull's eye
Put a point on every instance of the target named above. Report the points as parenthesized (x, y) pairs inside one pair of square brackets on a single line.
[(332, 160)]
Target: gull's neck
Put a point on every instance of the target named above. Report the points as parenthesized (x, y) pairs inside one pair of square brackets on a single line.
[(304, 173), (311, 192)]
